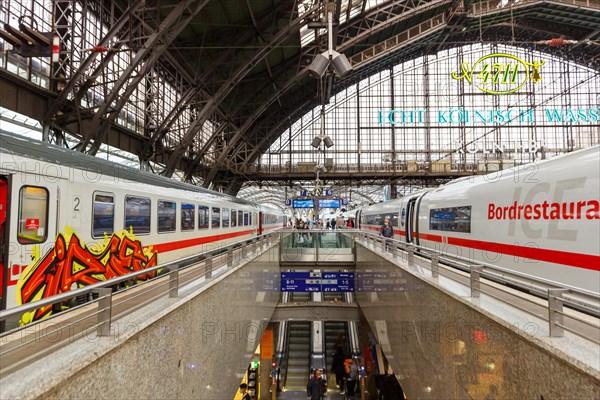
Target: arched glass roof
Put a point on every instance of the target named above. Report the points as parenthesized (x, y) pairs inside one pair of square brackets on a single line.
[(417, 114)]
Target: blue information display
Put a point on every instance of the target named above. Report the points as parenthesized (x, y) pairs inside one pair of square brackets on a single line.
[(303, 203), (381, 281), (317, 282), (329, 203)]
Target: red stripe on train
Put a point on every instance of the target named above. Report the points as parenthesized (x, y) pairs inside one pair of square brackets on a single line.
[(586, 261), (182, 244)]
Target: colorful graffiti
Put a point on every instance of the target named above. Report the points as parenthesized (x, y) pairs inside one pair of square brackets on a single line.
[(71, 261)]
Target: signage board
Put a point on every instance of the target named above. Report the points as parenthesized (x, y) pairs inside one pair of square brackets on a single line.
[(303, 203), (317, 282), (329, 203)]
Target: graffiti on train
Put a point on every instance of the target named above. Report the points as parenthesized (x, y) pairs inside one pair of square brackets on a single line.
[(72, 264)]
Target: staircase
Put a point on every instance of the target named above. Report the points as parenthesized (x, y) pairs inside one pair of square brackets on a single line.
[(298, 355)]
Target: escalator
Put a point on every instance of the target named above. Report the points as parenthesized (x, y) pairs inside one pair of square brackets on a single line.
[(298, 360), (332, 330)]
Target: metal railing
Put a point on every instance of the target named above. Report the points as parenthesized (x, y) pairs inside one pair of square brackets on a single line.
[(316, 247), (484, 278), (169, 279), (104, 289)]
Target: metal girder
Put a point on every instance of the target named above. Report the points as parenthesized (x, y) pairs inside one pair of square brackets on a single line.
[(382, 18), (76, 77), (149, 53), (224, 90), (490, 7), (419, 6), (167, 122), (359, 60)]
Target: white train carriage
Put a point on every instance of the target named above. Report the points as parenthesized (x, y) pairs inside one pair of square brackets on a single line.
[(541, 219), (69, 219)]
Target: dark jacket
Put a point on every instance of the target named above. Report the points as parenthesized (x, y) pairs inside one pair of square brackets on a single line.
[(387, 231), (337, 364), (316, 388)]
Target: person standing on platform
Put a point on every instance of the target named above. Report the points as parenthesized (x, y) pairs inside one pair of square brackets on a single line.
[(316, 387), (244, 391), (350, 223), (386, 230), (339, 222)]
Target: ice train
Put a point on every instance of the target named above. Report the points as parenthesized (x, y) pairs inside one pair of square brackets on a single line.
[(541, 219)]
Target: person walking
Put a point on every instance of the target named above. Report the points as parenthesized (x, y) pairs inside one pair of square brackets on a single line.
[(316, 387), (351, 377), (337, 367)]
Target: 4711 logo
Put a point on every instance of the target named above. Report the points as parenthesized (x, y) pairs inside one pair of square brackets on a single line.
[(499, 73)]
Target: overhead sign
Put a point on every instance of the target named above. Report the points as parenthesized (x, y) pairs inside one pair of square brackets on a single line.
[(317, 282), (329, 203), (328, 192), (309, 203)]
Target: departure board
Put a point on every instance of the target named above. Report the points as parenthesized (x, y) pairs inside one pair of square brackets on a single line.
[(317, 282)]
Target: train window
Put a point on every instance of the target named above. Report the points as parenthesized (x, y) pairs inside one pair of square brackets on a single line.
[(203, 218), (377, 219), (225, 214), (103, 219), (454, 219), (33, 215), (188, 217), (233, 218), (137, 214), (167, 216), (240, 218), (216, 218)]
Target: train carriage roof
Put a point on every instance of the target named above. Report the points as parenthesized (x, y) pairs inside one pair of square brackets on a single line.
[(42, 151)]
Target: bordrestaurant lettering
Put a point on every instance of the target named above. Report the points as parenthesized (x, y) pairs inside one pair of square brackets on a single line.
[(588, 209)]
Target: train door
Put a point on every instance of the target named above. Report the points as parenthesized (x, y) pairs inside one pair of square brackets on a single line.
[(357, 220), (33, 226), (3, 242), (260, 219), (410, 219)]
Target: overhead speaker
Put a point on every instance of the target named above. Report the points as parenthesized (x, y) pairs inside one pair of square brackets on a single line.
[(328, 142), (319, 65), (316, 142), (341, 64)]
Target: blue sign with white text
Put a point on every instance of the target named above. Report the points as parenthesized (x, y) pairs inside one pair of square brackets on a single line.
[(317, 282), (303, 203)]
